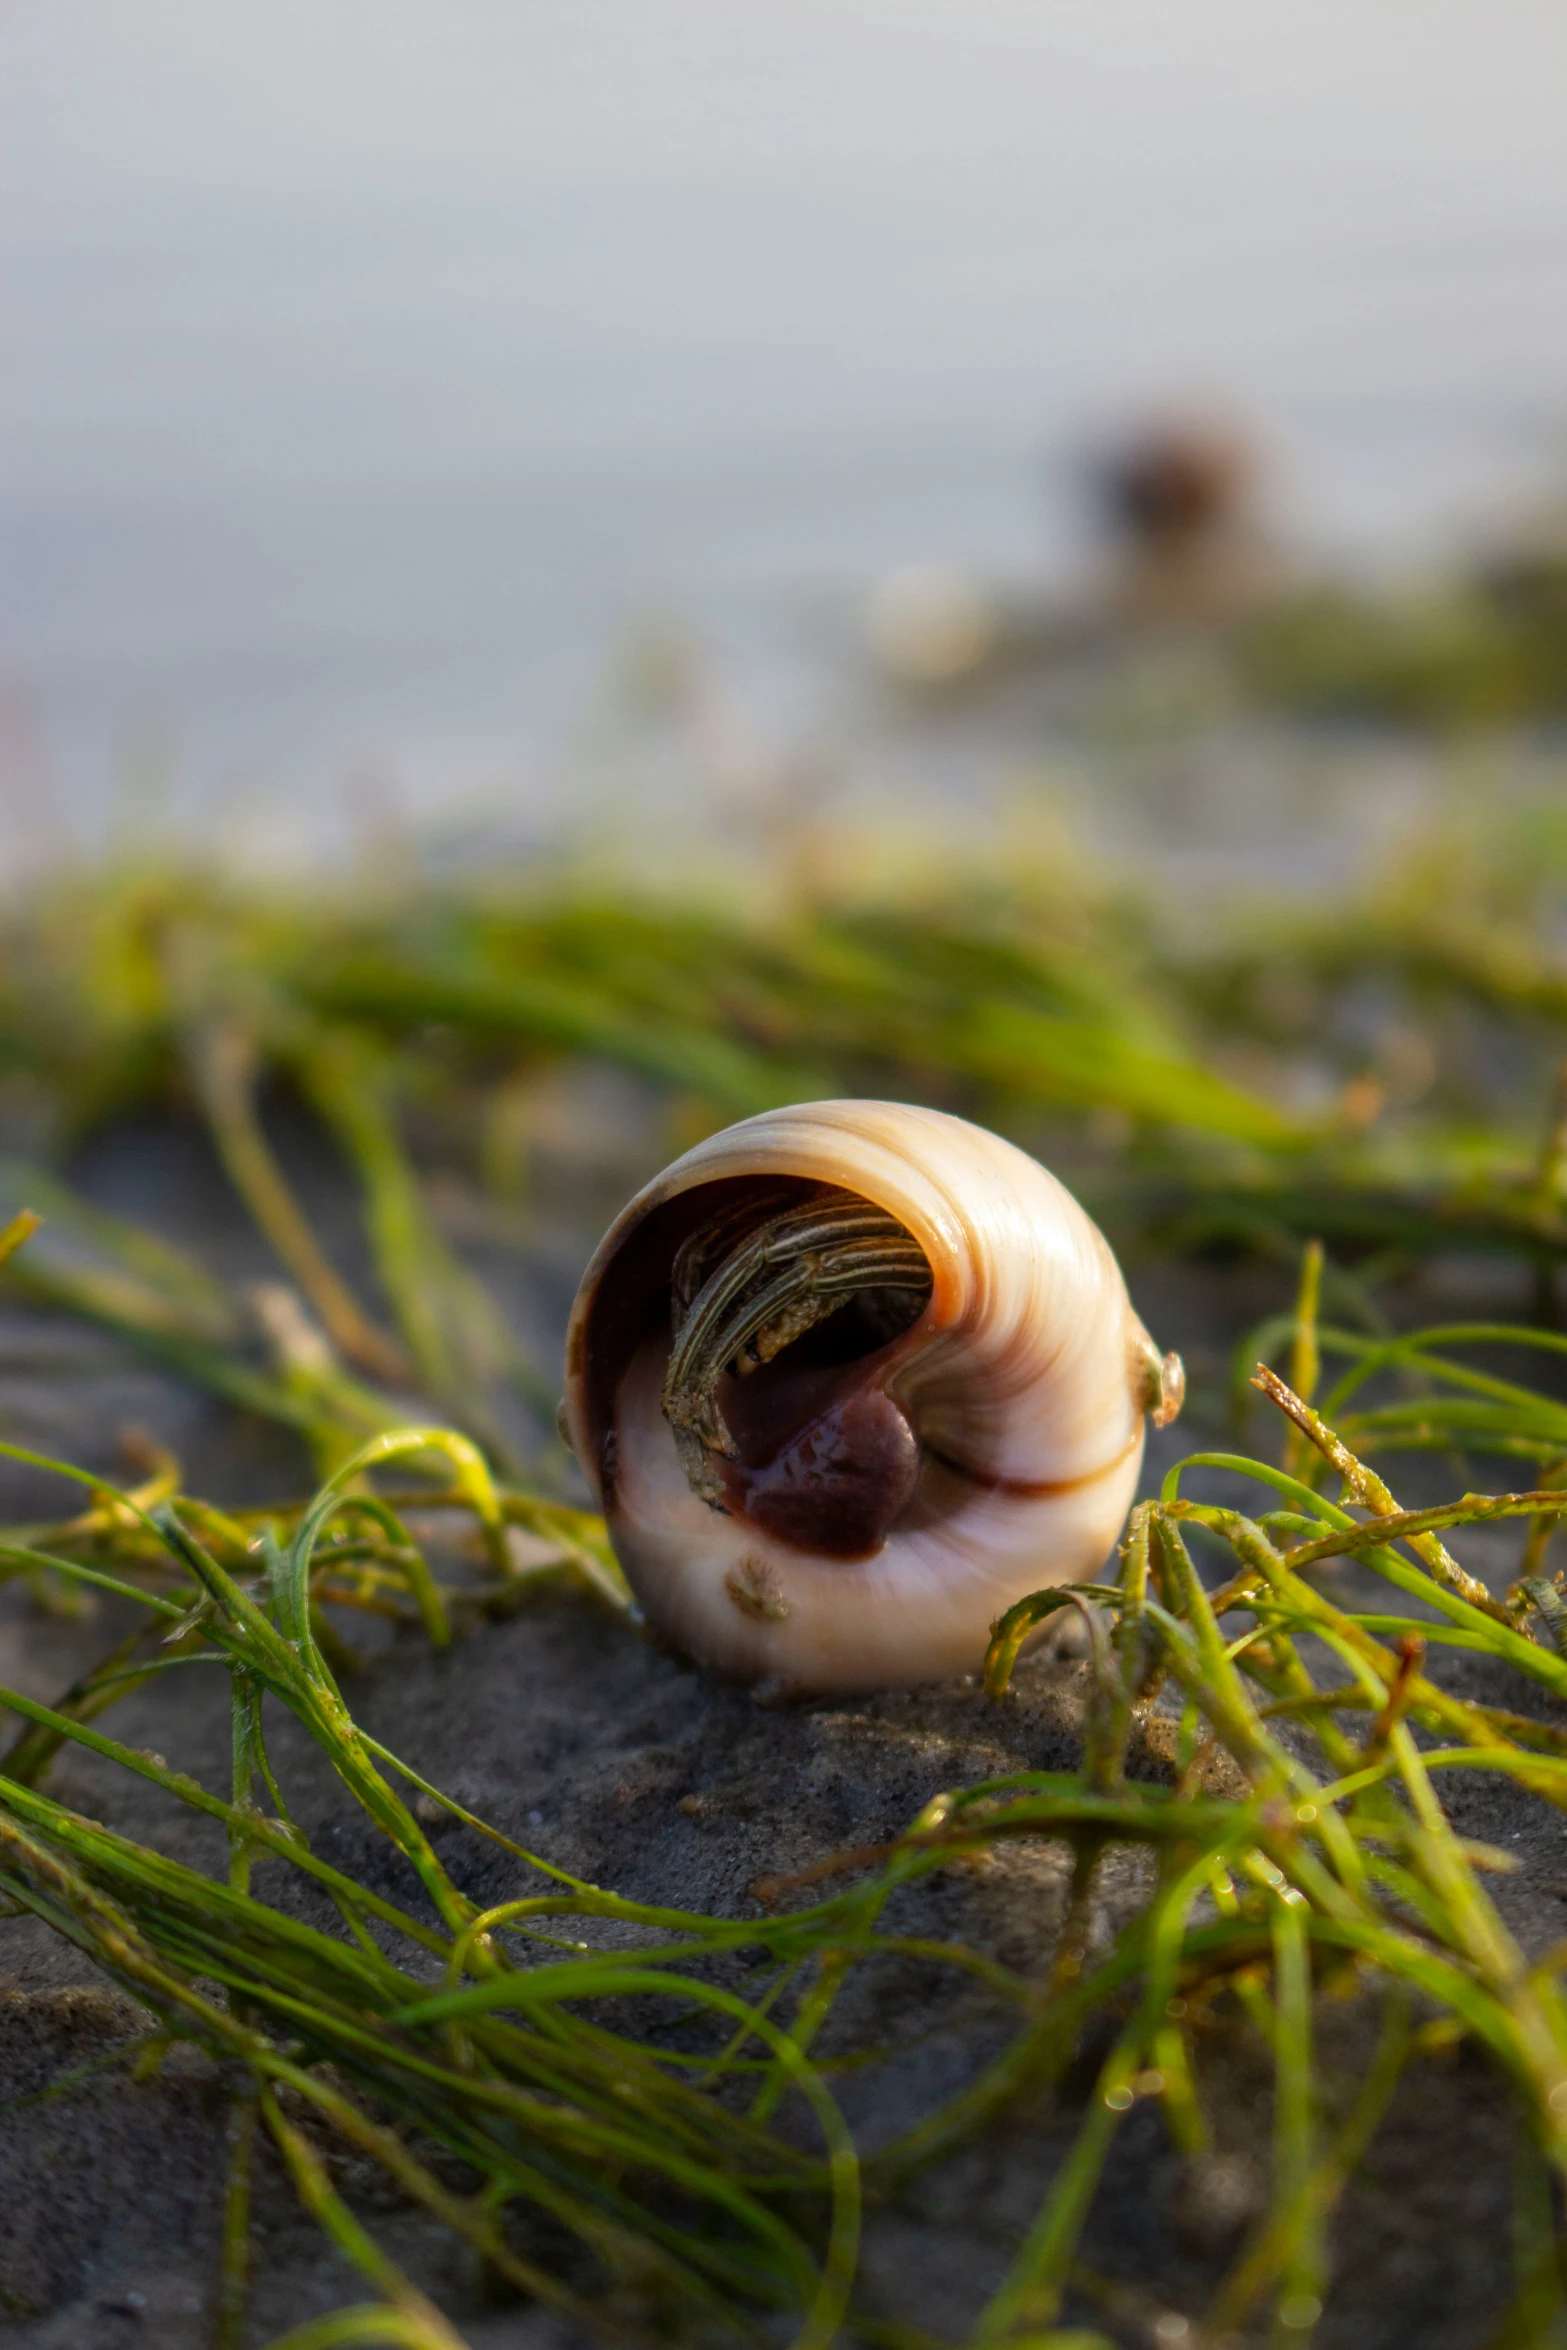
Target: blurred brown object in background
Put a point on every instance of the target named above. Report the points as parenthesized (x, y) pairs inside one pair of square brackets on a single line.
[(1178, 500)]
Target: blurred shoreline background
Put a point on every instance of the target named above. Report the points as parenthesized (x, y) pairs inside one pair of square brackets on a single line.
[(403, 413)]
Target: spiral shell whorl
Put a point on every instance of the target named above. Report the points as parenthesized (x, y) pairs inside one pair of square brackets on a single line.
[(1024, 1378)]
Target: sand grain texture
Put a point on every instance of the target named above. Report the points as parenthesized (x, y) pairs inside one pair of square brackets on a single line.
[(571, 1732)]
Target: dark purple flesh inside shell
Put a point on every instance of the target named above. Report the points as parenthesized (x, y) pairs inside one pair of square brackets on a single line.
[(826, 1459), (839, 1484)]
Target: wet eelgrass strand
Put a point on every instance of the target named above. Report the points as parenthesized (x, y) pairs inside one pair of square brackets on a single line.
[(1046, 1003)]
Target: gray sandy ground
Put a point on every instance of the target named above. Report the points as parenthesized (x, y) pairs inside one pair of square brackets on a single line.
[(575, 1735)]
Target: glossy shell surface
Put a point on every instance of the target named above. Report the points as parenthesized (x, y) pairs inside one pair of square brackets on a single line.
[(1023, 1381)]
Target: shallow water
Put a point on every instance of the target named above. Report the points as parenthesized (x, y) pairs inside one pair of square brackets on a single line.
[(369, 372)]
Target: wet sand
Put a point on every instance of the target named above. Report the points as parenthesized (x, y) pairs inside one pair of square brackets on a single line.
[(571, 1732)]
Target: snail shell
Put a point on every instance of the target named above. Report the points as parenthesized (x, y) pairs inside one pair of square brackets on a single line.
[(922, 1393)]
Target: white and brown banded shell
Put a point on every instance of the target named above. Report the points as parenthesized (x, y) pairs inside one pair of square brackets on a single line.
[(873, 1469)]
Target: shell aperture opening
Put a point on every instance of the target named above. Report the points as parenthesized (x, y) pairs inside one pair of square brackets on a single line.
[(800, 1437), (848, 1380)]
